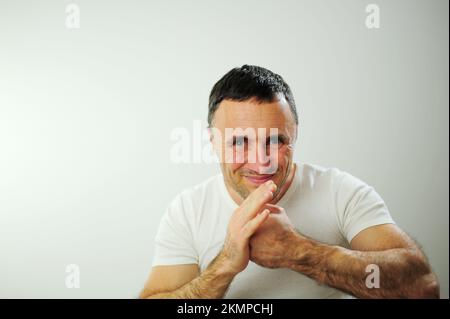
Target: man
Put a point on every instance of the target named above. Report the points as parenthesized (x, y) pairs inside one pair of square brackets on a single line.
[(271, 228)]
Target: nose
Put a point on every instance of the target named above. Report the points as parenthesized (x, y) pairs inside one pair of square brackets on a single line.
[(261, 162)]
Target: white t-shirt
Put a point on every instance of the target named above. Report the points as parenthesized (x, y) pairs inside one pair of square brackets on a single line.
[(325, 204)]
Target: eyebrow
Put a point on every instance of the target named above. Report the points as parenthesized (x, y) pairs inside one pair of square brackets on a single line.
[(281, 137)]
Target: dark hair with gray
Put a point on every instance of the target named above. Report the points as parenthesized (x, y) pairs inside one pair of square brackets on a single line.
[(247, 82)]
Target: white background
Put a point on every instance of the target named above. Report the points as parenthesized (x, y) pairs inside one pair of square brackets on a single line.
[(86, 116)]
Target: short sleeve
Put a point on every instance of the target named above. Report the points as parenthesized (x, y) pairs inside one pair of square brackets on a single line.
[(359, 206), (174, 243)]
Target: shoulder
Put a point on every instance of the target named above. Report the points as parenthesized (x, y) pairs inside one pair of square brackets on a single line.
[(199, 191), (314, 173), (191, 199), (331, 181)]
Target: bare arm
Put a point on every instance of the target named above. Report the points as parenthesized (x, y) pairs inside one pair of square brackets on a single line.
[(168, 278), (212, 283), (404, 270), (233, 258)]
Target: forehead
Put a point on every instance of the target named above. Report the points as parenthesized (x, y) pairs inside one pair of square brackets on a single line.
[(254, 114)]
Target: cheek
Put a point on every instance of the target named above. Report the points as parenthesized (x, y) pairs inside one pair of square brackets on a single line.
[(233, 167), (281, 157), (283, 160), (285, 153), (230, 155)]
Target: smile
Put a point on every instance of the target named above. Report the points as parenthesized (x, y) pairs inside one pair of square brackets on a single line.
[(258, 179)]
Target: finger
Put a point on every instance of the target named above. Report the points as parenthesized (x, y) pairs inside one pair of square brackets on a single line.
[(253, 225), (273, 208), (254, 203)]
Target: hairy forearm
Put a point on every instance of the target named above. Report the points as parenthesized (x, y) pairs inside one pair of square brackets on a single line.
[(211, 284), (403, 272)]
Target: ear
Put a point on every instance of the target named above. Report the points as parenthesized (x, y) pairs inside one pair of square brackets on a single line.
[(215, 137), (212, 138), (210, 135)]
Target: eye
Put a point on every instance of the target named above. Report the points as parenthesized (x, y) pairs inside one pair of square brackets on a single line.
[(239, 141), (274, 140)]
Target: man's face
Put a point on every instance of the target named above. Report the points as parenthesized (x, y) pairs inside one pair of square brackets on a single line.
[(254, 141)]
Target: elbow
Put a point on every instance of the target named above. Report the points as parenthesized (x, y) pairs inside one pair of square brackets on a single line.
[(152, 294), (143, 295), (146, 294), (428, 287)]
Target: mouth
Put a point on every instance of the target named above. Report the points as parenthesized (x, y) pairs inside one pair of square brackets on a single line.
[(258, 179)]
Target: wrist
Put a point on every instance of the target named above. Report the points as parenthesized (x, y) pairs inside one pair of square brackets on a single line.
[(297, 249), (223, 266), (312, 258)]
